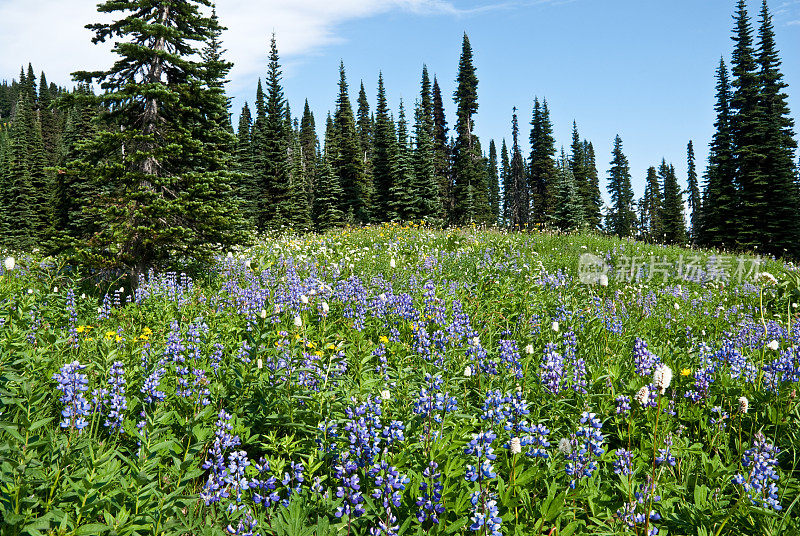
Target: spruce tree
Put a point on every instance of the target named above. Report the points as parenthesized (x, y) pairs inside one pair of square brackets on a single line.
[(309, 145), (568, 210), (779, 221), (385, 153), (592, 212), (247, 188), (327, 211), (494, 184), (274, 176), (299, 207), (348, 162), (401, 194), (19, 212), (577, 166), (519, 203), (542, 176), (745, 135), (692, 192), (49, 121), (470, 202), (442, 153), (672, 221), (719, 215), (505, 179), (650, 208), (153, 200), (426, 189), (620, 218)]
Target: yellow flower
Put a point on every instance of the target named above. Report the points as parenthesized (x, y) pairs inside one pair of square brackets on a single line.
[(310, 344), (119, 339), (89, 339), (318, 353), (81, 329), (330, 346), (147, 331), (110, 335), (384, 339), (685, 372)]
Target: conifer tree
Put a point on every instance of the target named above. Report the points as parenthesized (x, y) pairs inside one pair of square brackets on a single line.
[(577, 166), (542, 176), (49, 122), (19, 213), (328, 195), (401, 193), (672, 221), (274, 176), (517, 181), (592, 212), (154, 200), (442, 152), (309, 145), (650, 208), (620, 218), (719, 214), (365, 133), (348, 162), (426, 190), (779, 221), (299, 207), (505, 178), (692, 191), (568, 210), (745, 134), (248, 190), (494, 184), (385, 153), (470, 199)]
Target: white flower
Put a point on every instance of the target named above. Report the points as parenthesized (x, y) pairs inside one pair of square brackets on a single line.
[(744, 404), (603, 279), (30, 291), (476, 342), (555, 327), (662, 377), (773, 345), (382, 296), (247, 263), (325, 307), (122, 290), (768, 277), (263, 314), (677, 307), (516, 445), (529, 349), (10, 263), (643, 396), (564, 446), (298, 322), (83, 296), (468, 371), (260, 363), (392, 264), (230, 255), (385, 394), (55, 290), (99, 309), (304, 299)]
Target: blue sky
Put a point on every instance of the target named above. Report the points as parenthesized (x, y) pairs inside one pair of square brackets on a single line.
[(640, 68)]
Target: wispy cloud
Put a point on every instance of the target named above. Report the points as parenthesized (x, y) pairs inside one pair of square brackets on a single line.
[(51, 33)]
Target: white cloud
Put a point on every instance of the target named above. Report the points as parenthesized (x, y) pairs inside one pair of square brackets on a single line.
[(51, 34)]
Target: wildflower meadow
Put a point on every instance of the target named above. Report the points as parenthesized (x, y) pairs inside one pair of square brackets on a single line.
[(404, 380)]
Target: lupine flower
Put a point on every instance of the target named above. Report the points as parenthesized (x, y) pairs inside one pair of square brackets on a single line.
[(665, 455), (116, 403), (759, 483), (587, 445), (644, 360), (624, 462), (623, 405), (552, 369), (633, 516), (429, 502), (486, 516), (73, 383)]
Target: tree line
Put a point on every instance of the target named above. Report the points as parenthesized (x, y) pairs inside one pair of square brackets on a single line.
[(151, 168)]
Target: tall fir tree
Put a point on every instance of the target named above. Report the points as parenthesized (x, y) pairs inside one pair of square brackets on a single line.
[(780, 223), (719, 212), (568, 209), (309, 145), (274, 173), (442, 152), (19, 214), (578, 167), (385, 152), (745, 135), (650, 208), (495, 204), (348, 163), (365, 132), (620, 219), (592, 212), (154, 202), (692, 191), (672, 221), (401, 194), (247, 188), (518, 210), (49, 121), (505, 180), (470, 199), (327, 212), (542, 175), (426, 190)]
